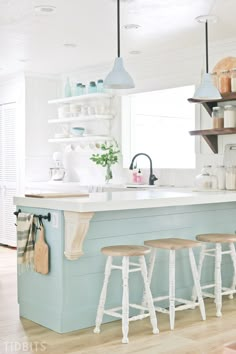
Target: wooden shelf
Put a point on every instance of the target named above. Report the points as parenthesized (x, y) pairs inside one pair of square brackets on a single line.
[(208, 105), (211, 136), (88, 97), (81, 118)]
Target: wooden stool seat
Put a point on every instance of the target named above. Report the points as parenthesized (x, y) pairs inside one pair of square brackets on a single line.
[(125, 250), (216, 238), (230, 348), (172, 243)]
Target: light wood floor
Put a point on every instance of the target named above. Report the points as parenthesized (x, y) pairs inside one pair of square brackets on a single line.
[(190, 336)]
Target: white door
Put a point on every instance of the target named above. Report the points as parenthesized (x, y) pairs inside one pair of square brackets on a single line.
[(8, 173)]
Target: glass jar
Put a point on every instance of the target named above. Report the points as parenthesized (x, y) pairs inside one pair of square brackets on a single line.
[(230, 178), (229, 116), (92, 87), (233, 79), (224, 81), (218, 117), (100, 87), (220, 175), (83, 89), (214, 77), (205, 180), (78, 89)]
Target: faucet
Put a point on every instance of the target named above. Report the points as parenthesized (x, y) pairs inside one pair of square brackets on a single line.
[(152, 177)]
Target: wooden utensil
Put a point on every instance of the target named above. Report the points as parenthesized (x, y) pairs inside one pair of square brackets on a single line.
[(41, 253), (57, 195)]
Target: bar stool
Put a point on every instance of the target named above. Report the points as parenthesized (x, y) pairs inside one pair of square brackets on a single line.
[(216, 251), (126, 251), (173, 245)]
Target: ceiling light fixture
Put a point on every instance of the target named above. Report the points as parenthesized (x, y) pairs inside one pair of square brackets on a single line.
[(118, 78), (206, 90), (70, 45), (135, 52), (46, 9), (131, 26)]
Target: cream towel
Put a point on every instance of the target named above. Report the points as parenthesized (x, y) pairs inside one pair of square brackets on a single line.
[(25, 241)]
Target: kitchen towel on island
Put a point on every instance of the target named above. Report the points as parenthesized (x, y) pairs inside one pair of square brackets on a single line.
[(25, 241)]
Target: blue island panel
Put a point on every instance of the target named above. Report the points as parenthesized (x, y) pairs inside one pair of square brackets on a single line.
[(66, 299)]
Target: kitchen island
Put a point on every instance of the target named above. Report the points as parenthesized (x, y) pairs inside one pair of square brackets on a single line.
[(66, 299)]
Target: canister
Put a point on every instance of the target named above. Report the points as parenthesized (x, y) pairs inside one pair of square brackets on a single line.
[(231, 178), (229, 116), (217, 117)]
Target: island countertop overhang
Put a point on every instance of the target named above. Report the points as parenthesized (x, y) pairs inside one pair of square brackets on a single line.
[(111, 201)]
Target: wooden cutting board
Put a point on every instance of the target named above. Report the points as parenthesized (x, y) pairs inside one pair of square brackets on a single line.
[(41, 253), (57, 195)]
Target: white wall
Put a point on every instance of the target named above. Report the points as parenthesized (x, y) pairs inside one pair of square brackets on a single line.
[(38, 152)]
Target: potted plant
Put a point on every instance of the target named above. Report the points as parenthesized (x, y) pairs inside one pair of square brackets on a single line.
[(107, 158)]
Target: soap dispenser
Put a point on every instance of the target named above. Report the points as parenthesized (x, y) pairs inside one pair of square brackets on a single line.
[(139, 177)]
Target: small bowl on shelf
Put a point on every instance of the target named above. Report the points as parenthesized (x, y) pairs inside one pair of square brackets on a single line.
[(77, 131)]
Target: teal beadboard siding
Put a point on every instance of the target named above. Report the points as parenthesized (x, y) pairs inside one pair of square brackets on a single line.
[(66, 299)]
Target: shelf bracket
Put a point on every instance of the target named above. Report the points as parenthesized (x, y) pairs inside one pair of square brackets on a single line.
[(76, 228), (212, 141)]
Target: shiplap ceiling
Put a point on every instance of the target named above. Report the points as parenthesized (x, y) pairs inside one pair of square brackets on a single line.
[(35, 42)]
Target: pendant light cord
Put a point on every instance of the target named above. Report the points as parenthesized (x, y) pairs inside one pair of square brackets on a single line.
[(118, 28), (206, 34)]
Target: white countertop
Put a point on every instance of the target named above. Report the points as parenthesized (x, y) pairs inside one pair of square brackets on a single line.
[(124, 200)]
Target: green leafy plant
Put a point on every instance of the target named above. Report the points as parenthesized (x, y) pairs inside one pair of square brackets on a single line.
[(108, 157)]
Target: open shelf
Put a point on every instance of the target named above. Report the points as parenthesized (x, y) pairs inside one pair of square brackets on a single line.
[(88, 97), (208, 105), (211, 136), (80, 139), (81, 118)]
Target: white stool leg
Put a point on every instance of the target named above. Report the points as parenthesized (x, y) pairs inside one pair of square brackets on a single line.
[(218, 280), (197, 283), (148, 293), (103, 295), (125, 299), (201, 259), (149, 275), (233, 257), (172, 288)]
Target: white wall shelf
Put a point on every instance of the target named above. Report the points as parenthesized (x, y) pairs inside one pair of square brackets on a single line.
[(81, 119), (81, 139), (88, 97)]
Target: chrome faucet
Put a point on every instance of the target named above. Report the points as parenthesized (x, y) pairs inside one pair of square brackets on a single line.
[(152, 177)]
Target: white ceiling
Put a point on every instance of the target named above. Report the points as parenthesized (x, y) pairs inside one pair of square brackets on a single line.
[(35, 42)]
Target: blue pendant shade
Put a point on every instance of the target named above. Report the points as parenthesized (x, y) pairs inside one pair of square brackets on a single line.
[(207, 89), (118, 78)]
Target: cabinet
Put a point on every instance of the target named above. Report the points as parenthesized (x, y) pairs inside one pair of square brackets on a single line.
[(8, 174), (211, 135), (81, 111)]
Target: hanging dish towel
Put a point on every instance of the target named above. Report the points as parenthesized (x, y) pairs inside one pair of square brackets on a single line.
[(25, 241)]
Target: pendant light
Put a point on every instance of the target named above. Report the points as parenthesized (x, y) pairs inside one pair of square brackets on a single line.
[(118, 78), (207, 90)]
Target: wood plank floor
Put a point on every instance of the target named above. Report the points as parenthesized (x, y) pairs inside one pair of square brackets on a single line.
[(190, 336)]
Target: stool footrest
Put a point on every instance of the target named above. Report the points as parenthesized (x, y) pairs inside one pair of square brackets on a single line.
[(139, 317), (112, 313)]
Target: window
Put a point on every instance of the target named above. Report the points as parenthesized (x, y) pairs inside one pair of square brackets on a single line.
[(158, 123)]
